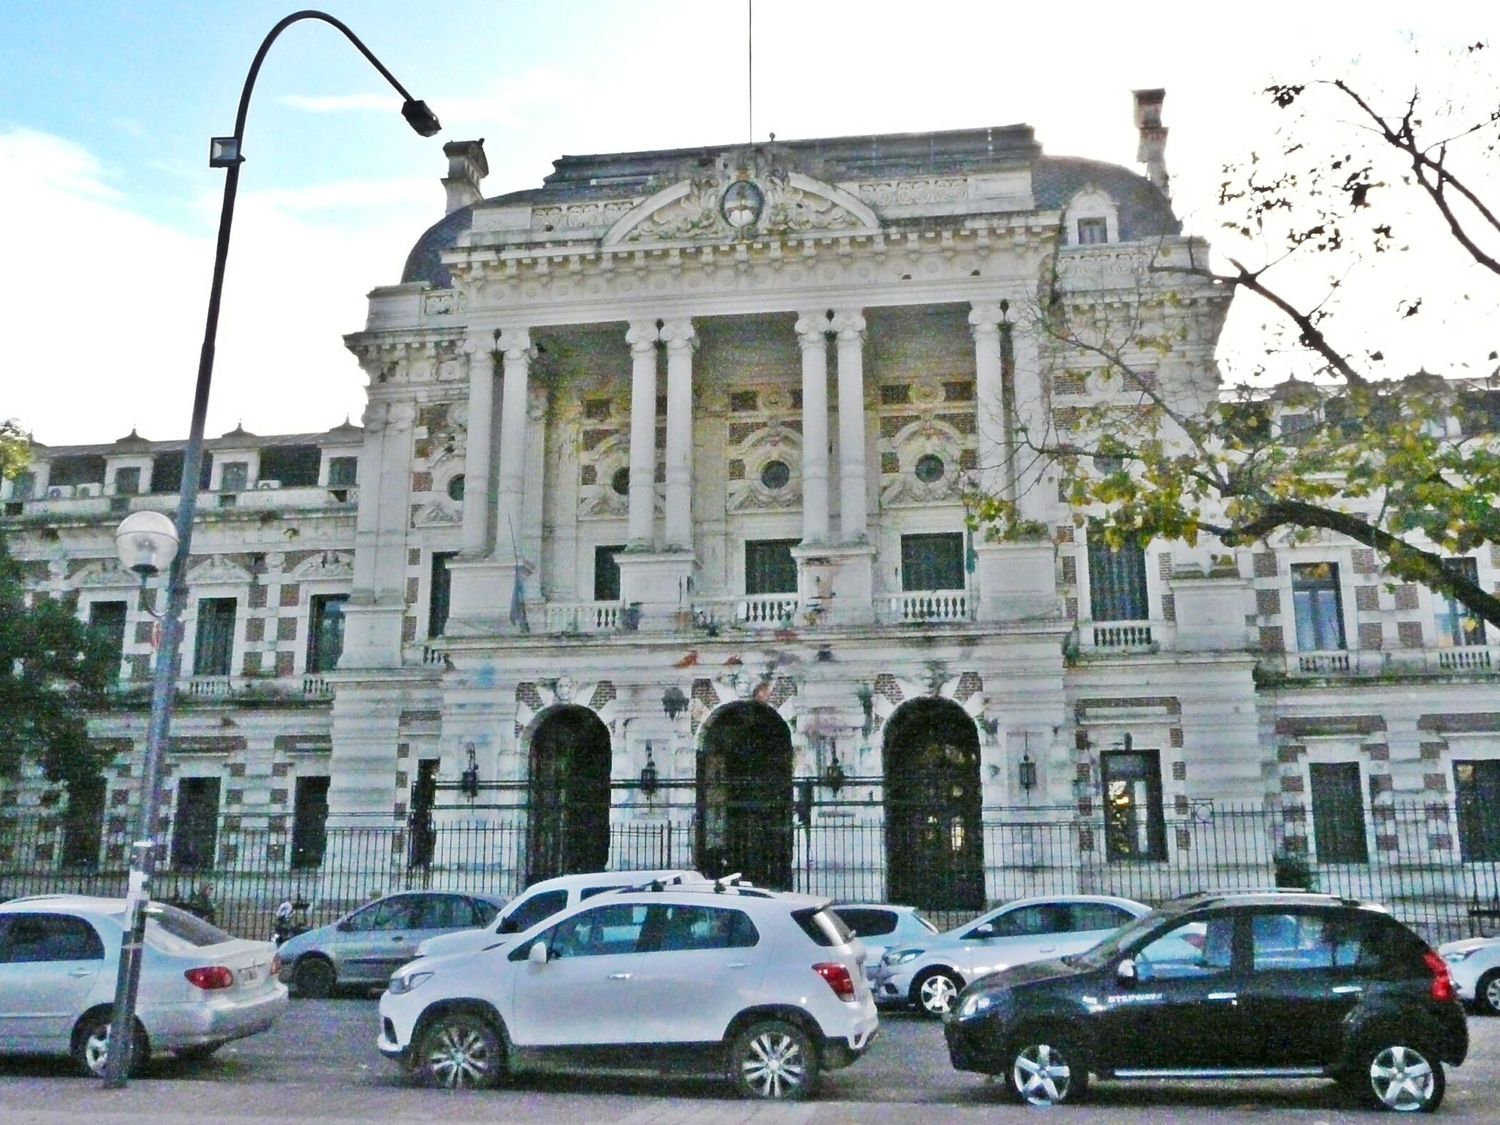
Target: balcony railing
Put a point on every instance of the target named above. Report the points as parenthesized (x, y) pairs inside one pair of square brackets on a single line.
[(750, 611), (1121, 636), (930, 606), (585, 617)]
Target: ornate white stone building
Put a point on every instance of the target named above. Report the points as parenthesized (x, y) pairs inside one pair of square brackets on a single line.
[(657, 532)]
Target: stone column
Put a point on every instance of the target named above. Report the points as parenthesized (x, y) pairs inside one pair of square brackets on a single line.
[(850, 326), (372, 637), (1035, 481), (515, 346), (478, 531), (812, 335), (680, 341), (989, 393), (642, 338)]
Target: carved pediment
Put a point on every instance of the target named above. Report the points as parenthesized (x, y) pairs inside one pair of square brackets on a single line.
[(720, 208), (325, 564), (216, 570)]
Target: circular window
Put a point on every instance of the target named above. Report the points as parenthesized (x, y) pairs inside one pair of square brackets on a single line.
[(620, 482), (929, 468), (456, 488), (775, 475)]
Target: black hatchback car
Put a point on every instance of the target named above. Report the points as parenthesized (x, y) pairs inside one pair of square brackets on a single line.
[(1236, 985)]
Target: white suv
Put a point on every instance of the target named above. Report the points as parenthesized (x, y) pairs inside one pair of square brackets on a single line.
[(540, 902), (762, 987)]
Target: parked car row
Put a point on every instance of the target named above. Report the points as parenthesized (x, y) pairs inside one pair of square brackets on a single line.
[(669, 970)]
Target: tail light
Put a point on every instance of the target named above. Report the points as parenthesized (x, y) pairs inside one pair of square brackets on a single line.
[(1442, 980), (838, 978), (210, 977), (275, 965)]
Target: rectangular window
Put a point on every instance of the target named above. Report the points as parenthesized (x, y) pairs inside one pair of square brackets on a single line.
[(1134, 822), (343, 472), (24, 487), (441, 582), (166, 472), (213, 649), (195, 831), (1477, 788), (295, 466), (1093, 231), (933, 562), (607, 574), (1457, 625), (127, 482), (325, 632), (1338, 813), (309, 821), (769, 567), (83, 823), (1117, 580), (108, 619), (236, 476), (423, 833), (1318, 607)]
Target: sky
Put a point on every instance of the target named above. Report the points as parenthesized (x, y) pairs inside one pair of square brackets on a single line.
[(109, 210)]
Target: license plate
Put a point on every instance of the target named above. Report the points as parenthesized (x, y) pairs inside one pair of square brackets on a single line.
[(248, 975)]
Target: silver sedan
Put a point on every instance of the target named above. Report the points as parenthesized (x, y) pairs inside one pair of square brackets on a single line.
[(199, 988)]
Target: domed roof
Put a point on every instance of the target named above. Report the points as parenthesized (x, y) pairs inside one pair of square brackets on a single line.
[(1143, 211)]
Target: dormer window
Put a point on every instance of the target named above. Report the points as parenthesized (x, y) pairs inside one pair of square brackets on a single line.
[(1093, 231)]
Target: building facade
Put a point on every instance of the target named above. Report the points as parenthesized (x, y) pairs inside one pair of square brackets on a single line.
[(655, 529)]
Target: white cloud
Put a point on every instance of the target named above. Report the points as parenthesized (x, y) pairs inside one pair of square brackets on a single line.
[(105, 308)]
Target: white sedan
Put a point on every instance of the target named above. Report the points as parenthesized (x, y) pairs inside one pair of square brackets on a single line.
[(1474, 965), (59, 955), (929, 974)]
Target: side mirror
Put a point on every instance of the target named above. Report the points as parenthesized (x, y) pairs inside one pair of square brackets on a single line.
[(345, 926), (537, 955), (985, 931), (509, 926), (1125, 970)]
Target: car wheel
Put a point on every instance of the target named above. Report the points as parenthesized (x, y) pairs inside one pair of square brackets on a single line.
[(314, 978), (774, 1060), (1487, 993), (1045, 1072), (1403, 1079), (934, 991), (461, 1050), (91, 1045)]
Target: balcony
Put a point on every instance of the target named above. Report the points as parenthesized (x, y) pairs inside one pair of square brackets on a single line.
[(1120, 637), (584, 617), (1474, 660), (929, 607)]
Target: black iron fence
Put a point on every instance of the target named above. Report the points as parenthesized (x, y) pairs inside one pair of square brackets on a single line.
[(1412, 862)]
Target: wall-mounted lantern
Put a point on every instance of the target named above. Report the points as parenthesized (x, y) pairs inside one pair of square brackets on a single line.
[(469, 780), (833, 773), (674, 702), (1026, 774), (649, 779)]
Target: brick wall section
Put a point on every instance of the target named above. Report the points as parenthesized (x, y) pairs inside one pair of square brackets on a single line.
[(1267, 603), (1406, 598), (1271, 639), (291, 595), (1409, 634), (1265, 564), (1169, 607), (1367, 598), (255, 630), (1364, 561), (1371, 635)]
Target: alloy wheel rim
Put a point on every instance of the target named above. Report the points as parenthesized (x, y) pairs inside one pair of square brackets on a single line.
[(1402, 1078), (937, 994), (775, 1067), (96, 1049), (1042, 1075), (1492, 993), (459, 1057)]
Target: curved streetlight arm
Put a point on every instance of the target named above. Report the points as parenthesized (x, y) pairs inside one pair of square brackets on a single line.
[(169, 650)]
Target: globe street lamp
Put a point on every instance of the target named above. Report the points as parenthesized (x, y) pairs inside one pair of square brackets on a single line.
[(226, 153)]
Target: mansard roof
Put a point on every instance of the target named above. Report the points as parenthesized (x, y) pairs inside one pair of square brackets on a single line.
[(1143, 211)]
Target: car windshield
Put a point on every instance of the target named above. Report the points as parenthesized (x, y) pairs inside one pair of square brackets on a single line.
[(174, 929), (1111, 946)]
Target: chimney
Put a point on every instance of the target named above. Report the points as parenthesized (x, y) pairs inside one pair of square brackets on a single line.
[(466, 167), (1152, 150)]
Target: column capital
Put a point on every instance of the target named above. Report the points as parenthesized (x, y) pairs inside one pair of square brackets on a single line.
[(985, 318), (813, 328), (642, 336), (849, 324), (679, 334), (515, 344), (479, 343)]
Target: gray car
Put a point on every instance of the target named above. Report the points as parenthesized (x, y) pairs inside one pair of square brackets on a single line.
[(882, 926), (199, 987), (366, 945)]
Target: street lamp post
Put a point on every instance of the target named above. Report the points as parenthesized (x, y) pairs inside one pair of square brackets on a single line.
[(224, 152)]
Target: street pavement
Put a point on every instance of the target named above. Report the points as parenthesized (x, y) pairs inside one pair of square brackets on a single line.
[(319, 1065)]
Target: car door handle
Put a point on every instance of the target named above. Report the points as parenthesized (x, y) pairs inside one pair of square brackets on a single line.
[(738, 965), (1347, 989), (80, 972), (1223, 996), (1046, 949), (620, 976)]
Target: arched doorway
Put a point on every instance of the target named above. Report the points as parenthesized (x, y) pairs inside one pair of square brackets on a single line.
[(568, 795), (745, 795), (933, 843)]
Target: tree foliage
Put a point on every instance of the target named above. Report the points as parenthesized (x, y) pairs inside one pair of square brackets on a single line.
[(15, 449), (53, 669), (1359, 187)]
